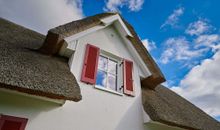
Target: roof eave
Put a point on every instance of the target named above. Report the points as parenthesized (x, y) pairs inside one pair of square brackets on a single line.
[(152, 81), (39, 94), (156, 76)]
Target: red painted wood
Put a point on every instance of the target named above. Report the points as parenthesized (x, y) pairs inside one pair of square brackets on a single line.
[(12, 123), (90, 65), (128, 78)]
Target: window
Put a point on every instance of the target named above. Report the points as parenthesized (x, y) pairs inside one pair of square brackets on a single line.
[(108, 74), (107, 71), (12, 123)]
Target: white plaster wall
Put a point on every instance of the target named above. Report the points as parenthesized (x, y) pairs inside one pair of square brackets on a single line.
[(98, 110), (120, 112)]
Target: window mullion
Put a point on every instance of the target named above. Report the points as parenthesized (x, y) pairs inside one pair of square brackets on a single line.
[(107, 74)]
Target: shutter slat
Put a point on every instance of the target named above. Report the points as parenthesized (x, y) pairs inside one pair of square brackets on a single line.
[(128, 78), (90, 64)]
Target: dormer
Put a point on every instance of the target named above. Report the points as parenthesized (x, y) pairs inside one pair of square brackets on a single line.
[(63, 40)]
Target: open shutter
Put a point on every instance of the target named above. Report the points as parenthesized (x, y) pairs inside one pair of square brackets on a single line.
[(12, 123), (90, 64), (128, 78)]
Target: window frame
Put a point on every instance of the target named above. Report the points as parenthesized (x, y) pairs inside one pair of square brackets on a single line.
[(4, 118), (119, 77)]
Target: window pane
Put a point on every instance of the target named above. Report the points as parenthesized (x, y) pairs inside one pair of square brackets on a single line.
[(112, 66), (103, 61), (101, 78), (112, 82)]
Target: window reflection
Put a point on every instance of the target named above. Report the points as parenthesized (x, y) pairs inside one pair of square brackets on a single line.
[(112, 82), (102, 64), (112, 66), (101, 78), (107, 73)]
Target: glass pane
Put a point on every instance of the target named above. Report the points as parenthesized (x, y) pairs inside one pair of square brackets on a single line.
[(101, 78), (103, 61), (112, 82), (112, 66)]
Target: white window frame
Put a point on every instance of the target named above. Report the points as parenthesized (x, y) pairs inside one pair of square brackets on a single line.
[(119, 73)]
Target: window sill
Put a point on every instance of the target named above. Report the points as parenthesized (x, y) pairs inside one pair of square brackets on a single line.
[(108, 90)]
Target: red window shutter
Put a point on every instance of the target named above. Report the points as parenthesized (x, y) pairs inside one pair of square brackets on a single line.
[(128, 78), (90, 64), (12, 123)]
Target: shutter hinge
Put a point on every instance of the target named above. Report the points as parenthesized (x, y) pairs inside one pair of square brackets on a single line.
[(121, 63)]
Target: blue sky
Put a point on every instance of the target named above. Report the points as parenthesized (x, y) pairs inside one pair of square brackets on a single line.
[(183, 36)]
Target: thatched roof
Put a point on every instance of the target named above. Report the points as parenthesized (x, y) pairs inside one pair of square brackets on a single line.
[(26, 70), (165, 106), (55, 36)]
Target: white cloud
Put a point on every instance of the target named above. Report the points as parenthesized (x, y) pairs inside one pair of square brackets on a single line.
[(113, 5), (212, 41), (179, 49), (173, 19), (201, 85), (199, 27), (41, 15), (132, 5), (135, 5), (150, 45)]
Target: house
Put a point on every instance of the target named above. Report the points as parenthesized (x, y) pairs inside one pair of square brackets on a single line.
[(90, 74)]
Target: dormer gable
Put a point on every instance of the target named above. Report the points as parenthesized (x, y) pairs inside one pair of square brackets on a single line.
[(57, 40)]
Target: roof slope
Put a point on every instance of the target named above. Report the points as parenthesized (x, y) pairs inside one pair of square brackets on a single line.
[(25, 70), (55, 36), (165, 106)]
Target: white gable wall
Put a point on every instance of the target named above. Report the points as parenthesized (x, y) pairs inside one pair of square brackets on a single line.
[(120, 112)]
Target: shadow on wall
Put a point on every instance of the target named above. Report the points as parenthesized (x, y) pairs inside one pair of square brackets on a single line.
[(132, 118), (23, 106)]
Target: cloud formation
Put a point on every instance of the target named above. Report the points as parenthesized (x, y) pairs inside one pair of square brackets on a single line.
[(181, 48), (198, 27), (201, 85), (178, 48), (211, 41), (173, 19), (150, 45), (41, 15), (115, 5)]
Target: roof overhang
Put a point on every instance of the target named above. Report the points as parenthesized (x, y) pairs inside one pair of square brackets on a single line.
[(165, 106), (14, 92), (25, 70)]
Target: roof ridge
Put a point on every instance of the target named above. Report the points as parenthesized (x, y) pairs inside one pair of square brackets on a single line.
[(106, 14), (18, 25)]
